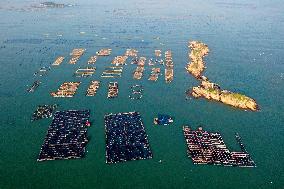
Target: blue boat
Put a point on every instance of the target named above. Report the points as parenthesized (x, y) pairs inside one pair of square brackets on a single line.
[(163, 119)]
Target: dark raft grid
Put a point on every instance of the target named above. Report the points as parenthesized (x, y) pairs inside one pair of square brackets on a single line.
[(126, 138), (66, 137), (209, 148)]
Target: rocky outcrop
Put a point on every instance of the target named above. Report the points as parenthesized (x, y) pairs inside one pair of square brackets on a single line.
[(196, 65), (212, 91)]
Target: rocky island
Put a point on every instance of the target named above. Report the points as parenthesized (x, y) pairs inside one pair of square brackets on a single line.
[(196, 65), (208, 89)]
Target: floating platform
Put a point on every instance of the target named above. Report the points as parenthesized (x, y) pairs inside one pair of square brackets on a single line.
[(34, 86), (85, 72), (67, 89), (112, 90), (93, 88), (104, 52), (66, 137), (43, 111), (204, 147), (92, 60), (136, 92), (163, 119), (76, 54), (58, 61), (126, 138)]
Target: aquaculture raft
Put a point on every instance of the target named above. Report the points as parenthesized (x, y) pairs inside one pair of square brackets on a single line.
[(93, 88), (76, 54), (136, 92), (112, 90), (66, 137), (209, 148), (126, 138), (43, 111), (67, 89), (58, 61), (104, 52), (34, 86), (85, 72)]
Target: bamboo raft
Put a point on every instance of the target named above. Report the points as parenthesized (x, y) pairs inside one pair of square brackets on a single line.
[(119, 60), (93, 88), (76, 54), (155, 74), (138, 73), (169, 69), (58, 61), (67, 89), (131, 52), (112, 90), (92, 60), (104, 52)]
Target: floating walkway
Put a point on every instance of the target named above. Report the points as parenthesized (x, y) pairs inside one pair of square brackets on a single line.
[(66, 137), (76, 54), (67, 89), (43, 111), (85, 72), (34, 86), (112, 90), (209, 148), (93, 88), (126, 138)]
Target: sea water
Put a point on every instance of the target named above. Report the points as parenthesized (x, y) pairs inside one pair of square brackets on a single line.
[(246, 43)]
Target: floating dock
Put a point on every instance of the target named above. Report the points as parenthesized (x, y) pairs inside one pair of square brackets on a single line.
[(138, 73), (169, 70), (104, 52), (58, 61), (34, 86), (136, 92), (67, 89), (112, 90), (43, 111), (155, 74), (85, 72), (112, 72), (204, 147), (76, 54), (92, 60), (93, 88), (126, 138), (66, 137)]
